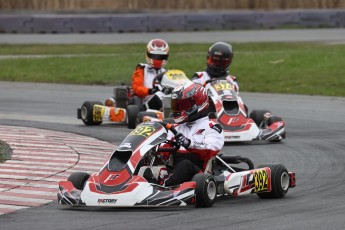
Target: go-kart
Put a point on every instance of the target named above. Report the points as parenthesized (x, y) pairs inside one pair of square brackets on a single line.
[(121, 182), (126, 108), (228, 109)]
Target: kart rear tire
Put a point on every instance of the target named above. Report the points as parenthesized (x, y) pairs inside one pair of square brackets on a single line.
[(86, 112), (141, 115), (279, 182), (205, 191), (258, 116), (79, 179), (132, 112)]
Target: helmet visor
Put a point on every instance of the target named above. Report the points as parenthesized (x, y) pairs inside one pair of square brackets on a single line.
[(218, 62), (181, 105), (158, 56)]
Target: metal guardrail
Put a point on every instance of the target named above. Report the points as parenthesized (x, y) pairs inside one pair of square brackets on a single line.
[(157, 22)]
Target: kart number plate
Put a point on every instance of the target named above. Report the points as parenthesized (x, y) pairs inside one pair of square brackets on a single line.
[(98, 112), (144, 131), (223, 86), (260, 180), (176, 75)]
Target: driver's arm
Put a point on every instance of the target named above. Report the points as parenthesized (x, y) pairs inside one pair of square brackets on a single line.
[(138, 82)]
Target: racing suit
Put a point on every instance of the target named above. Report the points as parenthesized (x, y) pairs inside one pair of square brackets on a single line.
[(201, 77), (206, 140), (142, 79)]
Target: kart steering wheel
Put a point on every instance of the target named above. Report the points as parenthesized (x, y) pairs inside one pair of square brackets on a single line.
[(157, 80), (176, 147)]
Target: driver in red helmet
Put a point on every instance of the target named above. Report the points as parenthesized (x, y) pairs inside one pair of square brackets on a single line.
[(200, 139), (219, 58), (157, 53)]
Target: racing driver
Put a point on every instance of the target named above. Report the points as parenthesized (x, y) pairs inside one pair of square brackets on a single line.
[(157, 53), (219, 58), (200, 139)]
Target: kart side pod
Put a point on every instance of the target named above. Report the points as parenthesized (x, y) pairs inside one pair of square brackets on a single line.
[(268, 181)]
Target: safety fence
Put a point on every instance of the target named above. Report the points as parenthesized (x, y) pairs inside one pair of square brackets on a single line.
[(156, 22), (138, 5)]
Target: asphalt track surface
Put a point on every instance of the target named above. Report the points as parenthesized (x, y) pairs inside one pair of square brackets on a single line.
[(314, 149)]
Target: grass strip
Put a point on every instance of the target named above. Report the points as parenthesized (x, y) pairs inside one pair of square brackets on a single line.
[(293, 68)]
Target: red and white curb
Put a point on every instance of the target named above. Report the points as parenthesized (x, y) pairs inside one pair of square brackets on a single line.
[(41, 158)]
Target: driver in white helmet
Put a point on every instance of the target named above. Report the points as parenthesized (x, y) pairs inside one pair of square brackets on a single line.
[(157, 53)]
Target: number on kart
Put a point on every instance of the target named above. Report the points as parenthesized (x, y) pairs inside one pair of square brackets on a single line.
[(144, 131), (223, 86), (98, 112), (260, 181)]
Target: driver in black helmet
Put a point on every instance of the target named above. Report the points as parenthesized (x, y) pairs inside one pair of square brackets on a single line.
[(219, 58)]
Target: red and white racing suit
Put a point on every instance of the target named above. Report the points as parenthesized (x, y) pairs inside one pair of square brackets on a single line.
[(142, 79), (207, 140), (202, 77)]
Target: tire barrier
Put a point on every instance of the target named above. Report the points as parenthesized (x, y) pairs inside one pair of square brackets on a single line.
[(159, 22)]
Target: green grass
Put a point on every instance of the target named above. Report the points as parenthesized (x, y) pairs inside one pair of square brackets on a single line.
[(297, 68)]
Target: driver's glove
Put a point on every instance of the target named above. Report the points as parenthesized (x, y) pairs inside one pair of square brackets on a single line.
[(153, 90), (181, 140)]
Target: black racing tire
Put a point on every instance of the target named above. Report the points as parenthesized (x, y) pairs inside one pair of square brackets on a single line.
[(273, 119), (79, 179), (140, 116), (132, 112), (258, 116), (86, 112), (205, 191), (280, 181)]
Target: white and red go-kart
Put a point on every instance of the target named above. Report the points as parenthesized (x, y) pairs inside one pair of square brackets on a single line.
[(120, 182), (228, 109)]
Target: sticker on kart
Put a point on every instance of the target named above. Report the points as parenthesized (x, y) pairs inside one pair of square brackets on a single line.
[(176, 75), (223, 85), (98, 112), (262, 181), (144, 131)]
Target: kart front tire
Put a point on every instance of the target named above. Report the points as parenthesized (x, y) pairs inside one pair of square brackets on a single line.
[(279, 182), (132, 113), (86, 112), (78, 179), (258, 116), (205, 191)]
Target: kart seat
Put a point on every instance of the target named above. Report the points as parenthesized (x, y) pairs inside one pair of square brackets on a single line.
[(231, 107), (119, 160)]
